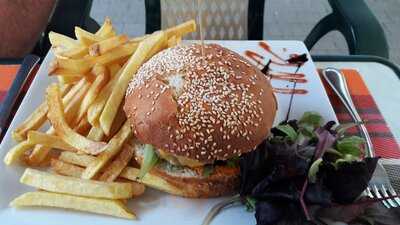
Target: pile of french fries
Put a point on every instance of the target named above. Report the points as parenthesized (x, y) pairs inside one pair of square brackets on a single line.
[(86, 145)]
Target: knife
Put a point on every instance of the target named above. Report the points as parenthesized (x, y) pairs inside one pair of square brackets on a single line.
[(14, 93)]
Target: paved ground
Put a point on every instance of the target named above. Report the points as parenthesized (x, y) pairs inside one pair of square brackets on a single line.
[(284, 19)]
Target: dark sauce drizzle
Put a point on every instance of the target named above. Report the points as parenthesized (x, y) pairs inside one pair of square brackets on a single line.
[(294, 60)]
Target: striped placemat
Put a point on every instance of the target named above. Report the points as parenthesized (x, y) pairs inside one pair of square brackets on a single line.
[(385, 144), (7, 75)]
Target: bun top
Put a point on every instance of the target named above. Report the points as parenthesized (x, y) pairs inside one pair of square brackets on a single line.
[(204, 108)]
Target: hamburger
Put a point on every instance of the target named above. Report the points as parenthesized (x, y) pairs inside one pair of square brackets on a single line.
[(196, 114)]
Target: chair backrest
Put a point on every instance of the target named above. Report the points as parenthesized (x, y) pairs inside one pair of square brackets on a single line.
[(222, 19)]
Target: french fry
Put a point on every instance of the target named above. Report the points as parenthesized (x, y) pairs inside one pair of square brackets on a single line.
[(38, 116), (128, 172), (114, 55), (106, 45), (72, 99), (78, 51), (99, 69), (172, 41), (77, 159), (46, 162), (57, 39), (106, 30), (112, 171), (145, 49), (113, 148), (150, 180), (113, 68), (72, 106), (68, 79), (94, 90), (48, 140), (58, 121), (66, 169), (139, 39), (73, 53), (119, 120), (81, 66), (33, 122), (40, 152), (75, 186), (97, 106), (55, 70), (178, 39), (83, 126), (95, 134), (158, 46), (93, 205), (86, 38), (15, 154), (181, 29)]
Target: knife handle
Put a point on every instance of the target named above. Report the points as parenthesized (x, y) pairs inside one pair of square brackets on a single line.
[(14, 93)]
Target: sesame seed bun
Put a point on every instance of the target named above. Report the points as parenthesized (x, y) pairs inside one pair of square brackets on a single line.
[(205, 109)]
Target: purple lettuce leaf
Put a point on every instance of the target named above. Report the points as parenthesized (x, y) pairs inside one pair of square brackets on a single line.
[(348, 180), (253, 169)]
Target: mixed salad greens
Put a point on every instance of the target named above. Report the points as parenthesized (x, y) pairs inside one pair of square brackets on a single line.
[(303, 173), (303, 164)]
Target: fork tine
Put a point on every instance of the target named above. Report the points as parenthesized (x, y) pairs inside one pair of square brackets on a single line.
[(393, 192), (378, 195), (386, 195), (369, 193)]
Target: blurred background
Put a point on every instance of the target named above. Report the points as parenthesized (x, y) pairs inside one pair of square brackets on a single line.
[(283, 20)]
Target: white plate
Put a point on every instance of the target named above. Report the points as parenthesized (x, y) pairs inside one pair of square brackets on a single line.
[(154, 207)]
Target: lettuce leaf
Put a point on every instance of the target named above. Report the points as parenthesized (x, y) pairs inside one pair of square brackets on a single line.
[(150, 159)]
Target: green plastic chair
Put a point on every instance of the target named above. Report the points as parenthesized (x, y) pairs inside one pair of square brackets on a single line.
[(362, 31)]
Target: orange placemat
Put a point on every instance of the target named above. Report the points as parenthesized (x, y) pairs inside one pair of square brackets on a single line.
[(7, 75), (385, 144)]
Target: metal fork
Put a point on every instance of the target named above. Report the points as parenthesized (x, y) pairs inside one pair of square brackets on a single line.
[(379, 185)]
